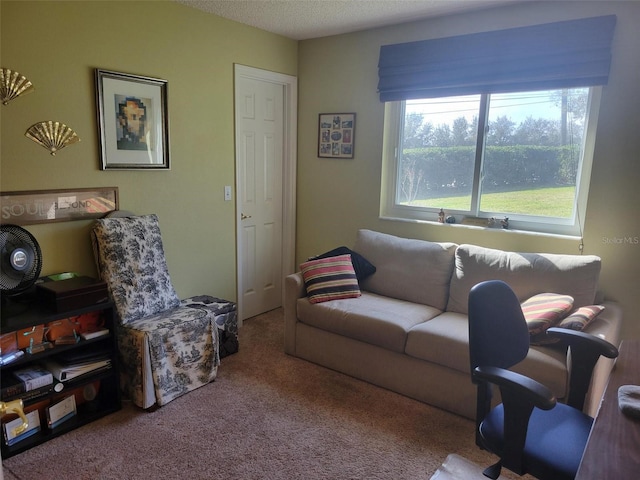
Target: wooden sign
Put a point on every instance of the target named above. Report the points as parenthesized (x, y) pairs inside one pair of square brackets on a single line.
[(44, 206)]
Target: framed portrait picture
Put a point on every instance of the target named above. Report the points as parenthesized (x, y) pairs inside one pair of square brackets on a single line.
[(336, 135), (133, 121)]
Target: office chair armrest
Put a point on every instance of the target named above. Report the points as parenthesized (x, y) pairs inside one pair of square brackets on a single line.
[(523, 387), (583, 339), (585, 350)]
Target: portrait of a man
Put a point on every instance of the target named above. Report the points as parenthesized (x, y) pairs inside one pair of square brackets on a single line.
[(131, 117)]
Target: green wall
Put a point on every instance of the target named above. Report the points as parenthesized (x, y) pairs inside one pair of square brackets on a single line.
[(57, 45), (337, 197)]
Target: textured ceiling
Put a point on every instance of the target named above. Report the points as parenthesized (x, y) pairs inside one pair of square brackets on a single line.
[(304, 19)]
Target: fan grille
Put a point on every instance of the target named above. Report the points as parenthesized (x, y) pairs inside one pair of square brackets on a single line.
[(20, 259)]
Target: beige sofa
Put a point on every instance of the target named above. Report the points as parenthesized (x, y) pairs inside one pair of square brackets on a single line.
[(408, 331)]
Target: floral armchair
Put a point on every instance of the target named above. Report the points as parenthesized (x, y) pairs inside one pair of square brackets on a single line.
[(167, 347)]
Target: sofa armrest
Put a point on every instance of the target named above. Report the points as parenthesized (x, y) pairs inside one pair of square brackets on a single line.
[(606, 326), (293, 290)]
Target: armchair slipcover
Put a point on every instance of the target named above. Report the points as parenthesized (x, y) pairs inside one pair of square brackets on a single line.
[(167, 347)]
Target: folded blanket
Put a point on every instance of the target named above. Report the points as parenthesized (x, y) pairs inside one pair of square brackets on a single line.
[(629, 400)]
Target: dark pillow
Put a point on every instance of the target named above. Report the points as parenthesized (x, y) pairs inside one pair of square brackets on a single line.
[(361, 265)]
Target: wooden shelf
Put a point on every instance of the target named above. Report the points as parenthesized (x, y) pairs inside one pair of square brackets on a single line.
[(103, 383)]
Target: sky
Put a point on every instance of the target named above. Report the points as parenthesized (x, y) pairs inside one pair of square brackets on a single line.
[(517, 106)]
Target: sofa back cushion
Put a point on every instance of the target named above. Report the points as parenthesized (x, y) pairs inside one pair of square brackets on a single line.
[(414, 270), (526, 273)]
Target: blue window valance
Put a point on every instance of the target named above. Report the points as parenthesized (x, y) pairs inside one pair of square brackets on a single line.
[(574, 53)]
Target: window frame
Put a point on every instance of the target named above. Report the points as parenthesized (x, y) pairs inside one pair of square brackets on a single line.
[(390, 210)]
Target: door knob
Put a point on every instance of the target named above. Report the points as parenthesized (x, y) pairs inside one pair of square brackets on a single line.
[(244, 217)]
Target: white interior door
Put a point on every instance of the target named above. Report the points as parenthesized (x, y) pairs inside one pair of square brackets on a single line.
[(263, 182)]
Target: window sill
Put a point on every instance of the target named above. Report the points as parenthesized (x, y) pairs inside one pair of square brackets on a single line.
[(506, 231)]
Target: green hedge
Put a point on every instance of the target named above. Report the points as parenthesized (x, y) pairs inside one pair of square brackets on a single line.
[(437, 170)]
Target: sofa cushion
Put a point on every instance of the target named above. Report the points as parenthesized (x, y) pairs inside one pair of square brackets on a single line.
[(361, 265), (526, 273), (414, 270), (444, 340), (545, 310), (371, 318), (330, 278)]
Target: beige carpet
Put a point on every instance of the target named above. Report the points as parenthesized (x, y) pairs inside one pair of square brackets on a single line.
[(267, 416)]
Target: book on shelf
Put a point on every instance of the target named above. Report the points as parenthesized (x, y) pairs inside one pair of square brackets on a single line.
[(80, 356), (65, 372), (13, 388), (85, 355), (33, 376)]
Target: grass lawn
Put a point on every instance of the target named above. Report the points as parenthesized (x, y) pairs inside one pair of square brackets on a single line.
[(548, 202)]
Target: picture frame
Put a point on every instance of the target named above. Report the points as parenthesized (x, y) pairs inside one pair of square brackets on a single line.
[(133, 121), (62, 205), (336, 135)]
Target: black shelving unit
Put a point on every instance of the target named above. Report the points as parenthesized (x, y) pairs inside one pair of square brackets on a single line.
[(103, 383)]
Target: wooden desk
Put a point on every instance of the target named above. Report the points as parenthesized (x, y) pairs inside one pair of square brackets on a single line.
[(613, 448)]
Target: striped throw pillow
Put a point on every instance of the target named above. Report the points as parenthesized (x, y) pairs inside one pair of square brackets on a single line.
[(544, 310), (361, 265), (580, 318), (330, 278)]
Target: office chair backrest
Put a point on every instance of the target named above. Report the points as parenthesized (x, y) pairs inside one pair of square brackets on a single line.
[(498, 333)]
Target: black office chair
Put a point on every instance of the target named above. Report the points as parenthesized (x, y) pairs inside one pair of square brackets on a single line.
[(530, 431)]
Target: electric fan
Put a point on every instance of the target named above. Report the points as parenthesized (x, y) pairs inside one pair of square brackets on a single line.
[(20, 261)]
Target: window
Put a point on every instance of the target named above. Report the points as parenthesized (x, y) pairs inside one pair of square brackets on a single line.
[(495, 124), (523, 155)]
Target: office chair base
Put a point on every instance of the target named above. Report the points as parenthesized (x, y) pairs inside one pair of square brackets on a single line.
[(493, 472)]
